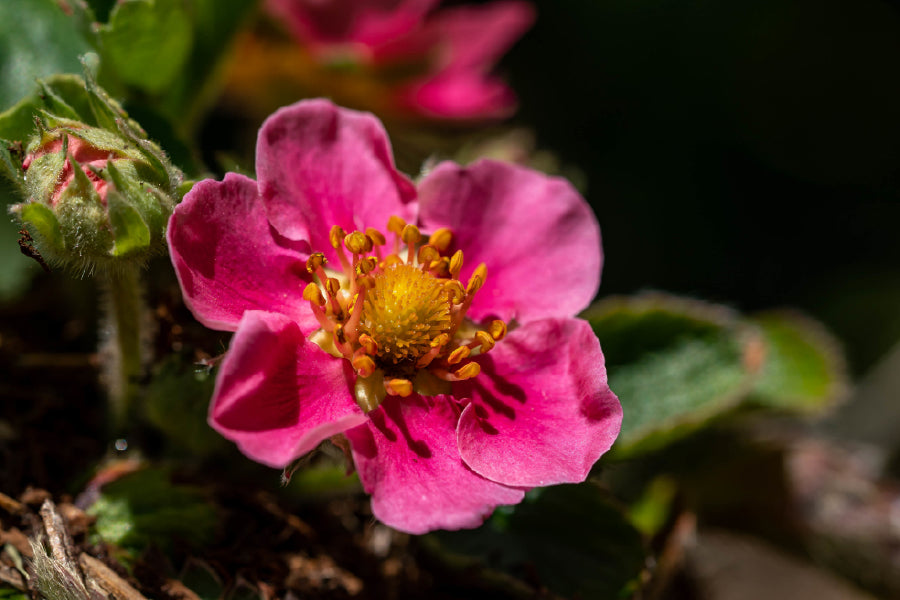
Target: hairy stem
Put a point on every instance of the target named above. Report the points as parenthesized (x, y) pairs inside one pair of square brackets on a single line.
[(122, 329)]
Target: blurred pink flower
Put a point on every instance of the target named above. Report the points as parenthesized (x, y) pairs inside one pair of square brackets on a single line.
[(439, 62), (451, 362)]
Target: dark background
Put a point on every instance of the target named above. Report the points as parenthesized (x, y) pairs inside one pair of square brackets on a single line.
[(744, 152)]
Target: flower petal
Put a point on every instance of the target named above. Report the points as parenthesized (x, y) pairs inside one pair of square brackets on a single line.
[(408, 460), (536, 234), (455, 95), (541, 412), (227, 260), (320, 165), (278, 395)]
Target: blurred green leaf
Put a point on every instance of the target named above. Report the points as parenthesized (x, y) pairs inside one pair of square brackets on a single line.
[(201, 579), (570, 537), (145, 508), (802, 367), (12, 594), (674, 363), (17, 269), (147, 42), (37, 39)]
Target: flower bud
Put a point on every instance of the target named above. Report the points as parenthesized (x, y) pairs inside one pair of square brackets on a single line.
[(98, 192)]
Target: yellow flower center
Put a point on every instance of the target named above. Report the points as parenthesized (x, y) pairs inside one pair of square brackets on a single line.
[(399, 317)]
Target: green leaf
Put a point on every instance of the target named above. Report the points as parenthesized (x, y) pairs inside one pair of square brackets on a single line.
[(9, 593), (130, 231), (17, 269), (803, 368), (570, 537), (17, 123), (147, 42), (37, 39), (44, 222), (674, 364), (145, 508)]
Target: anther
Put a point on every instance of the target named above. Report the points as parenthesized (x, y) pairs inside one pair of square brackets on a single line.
[(315, 261), (456, 263), (497, 329), (441, 239), (427, 255), (366, 265), (363, 365), (485, 340), (357, 242), (335, 236), (332, 286), (396, 224), (410, 235), (398, 387), (313, 294), (477, 280), (455, 291), (378, 238), (458, 355), (369, 345), (468, 372), (440, 267)]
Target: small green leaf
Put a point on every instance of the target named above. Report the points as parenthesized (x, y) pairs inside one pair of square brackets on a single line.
[(674, 364), (146, 508), (147, 42), (802, 367), (130, 231), (569, 537), (44, 222)]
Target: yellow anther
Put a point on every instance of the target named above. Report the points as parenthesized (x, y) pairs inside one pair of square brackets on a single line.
[(458, 355), (335, 236), (428, 254), (315, 261), (440, 340), (391, 260), (485, 340), (441, 239), (357, 242), (456, 263), (398, 387), (497, 329), (477, 280), (469, 371), (369, 345), (364, 365), (339, 335), (332, 286), (455, 292), (377, 237), (365, 282), (366, 265), (396, 224), (410, 235), (313, 294)]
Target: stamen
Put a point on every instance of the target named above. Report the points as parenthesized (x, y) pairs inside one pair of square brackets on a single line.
[(456, 263), (477, 280), (368, 344), (315, 262), (482, 339), (358, 243), (395, 225), (441, 239), (497, 329), (313, 294), (427, 255), (363, 365), (378, 238), (410, 236), (458, 355), (468, 372), (398, 387)]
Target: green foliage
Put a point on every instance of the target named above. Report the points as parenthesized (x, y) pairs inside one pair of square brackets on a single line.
[(571, 537), (147, 42), (37, 39), (803, 367), (146, 508), (677, 363)]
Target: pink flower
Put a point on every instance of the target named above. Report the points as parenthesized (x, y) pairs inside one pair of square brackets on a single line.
[(443, 58), (452, 361)]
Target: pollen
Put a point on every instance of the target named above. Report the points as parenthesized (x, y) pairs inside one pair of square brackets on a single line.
[(404, 311), (396, 310)]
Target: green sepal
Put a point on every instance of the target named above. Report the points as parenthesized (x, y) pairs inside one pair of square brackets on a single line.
[(43, 223), (10, 167), (146, 199), (54, 103), (130, 231)]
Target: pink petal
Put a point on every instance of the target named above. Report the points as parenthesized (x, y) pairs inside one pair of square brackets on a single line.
[(475, 37), (227, 259), (320, 165), (463, 95), (278, 395), (365, 22), (408, 460), (536, 234), (541, 412)]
